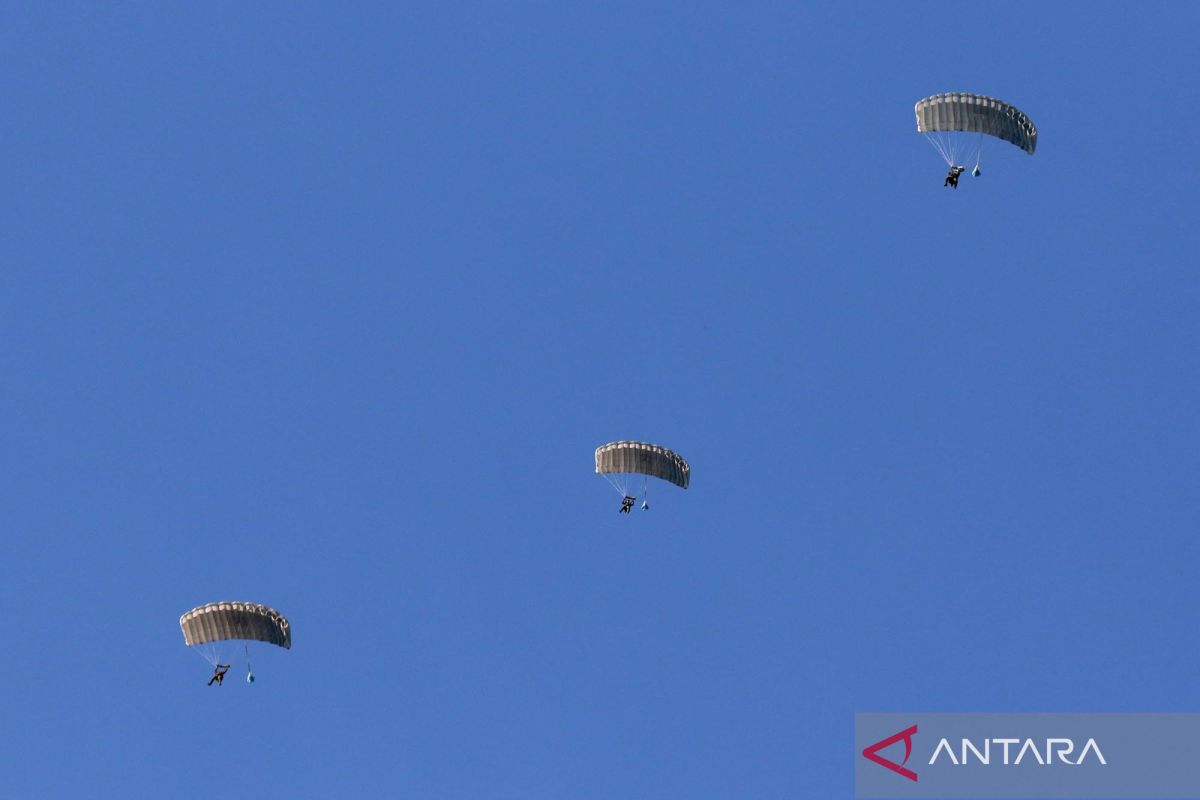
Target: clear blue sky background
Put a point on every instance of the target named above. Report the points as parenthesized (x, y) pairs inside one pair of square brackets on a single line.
[(327, 307)]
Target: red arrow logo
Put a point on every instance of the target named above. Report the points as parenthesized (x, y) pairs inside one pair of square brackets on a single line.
[(872, 753)]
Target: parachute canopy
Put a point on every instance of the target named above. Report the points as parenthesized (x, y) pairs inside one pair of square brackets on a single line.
[(644, 459), (218, 622), (976, 113)]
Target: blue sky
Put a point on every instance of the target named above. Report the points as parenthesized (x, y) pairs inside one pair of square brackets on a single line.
[(327, 308)]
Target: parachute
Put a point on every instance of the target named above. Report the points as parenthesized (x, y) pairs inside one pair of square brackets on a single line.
[(215, 629), (955, 124), (621, 462)]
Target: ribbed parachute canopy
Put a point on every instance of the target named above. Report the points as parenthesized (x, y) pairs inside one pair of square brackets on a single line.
[(961, 112), (644, 459), (218, 622)]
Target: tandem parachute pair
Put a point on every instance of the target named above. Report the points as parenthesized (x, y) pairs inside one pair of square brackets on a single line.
[(623, 464), (955, 123), (217, 632)]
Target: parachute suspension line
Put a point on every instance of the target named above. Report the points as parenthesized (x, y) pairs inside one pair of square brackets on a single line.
[(207, 652), (941, 146), (621, 486), (979, 151), (929, 138)]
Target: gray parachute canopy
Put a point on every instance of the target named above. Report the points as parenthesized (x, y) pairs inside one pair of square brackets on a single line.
[(976, 113), (644, 459), (218, 622)]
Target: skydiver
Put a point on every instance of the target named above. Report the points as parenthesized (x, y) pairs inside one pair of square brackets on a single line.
[(219, 674), (952, 176), (627, 504)]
